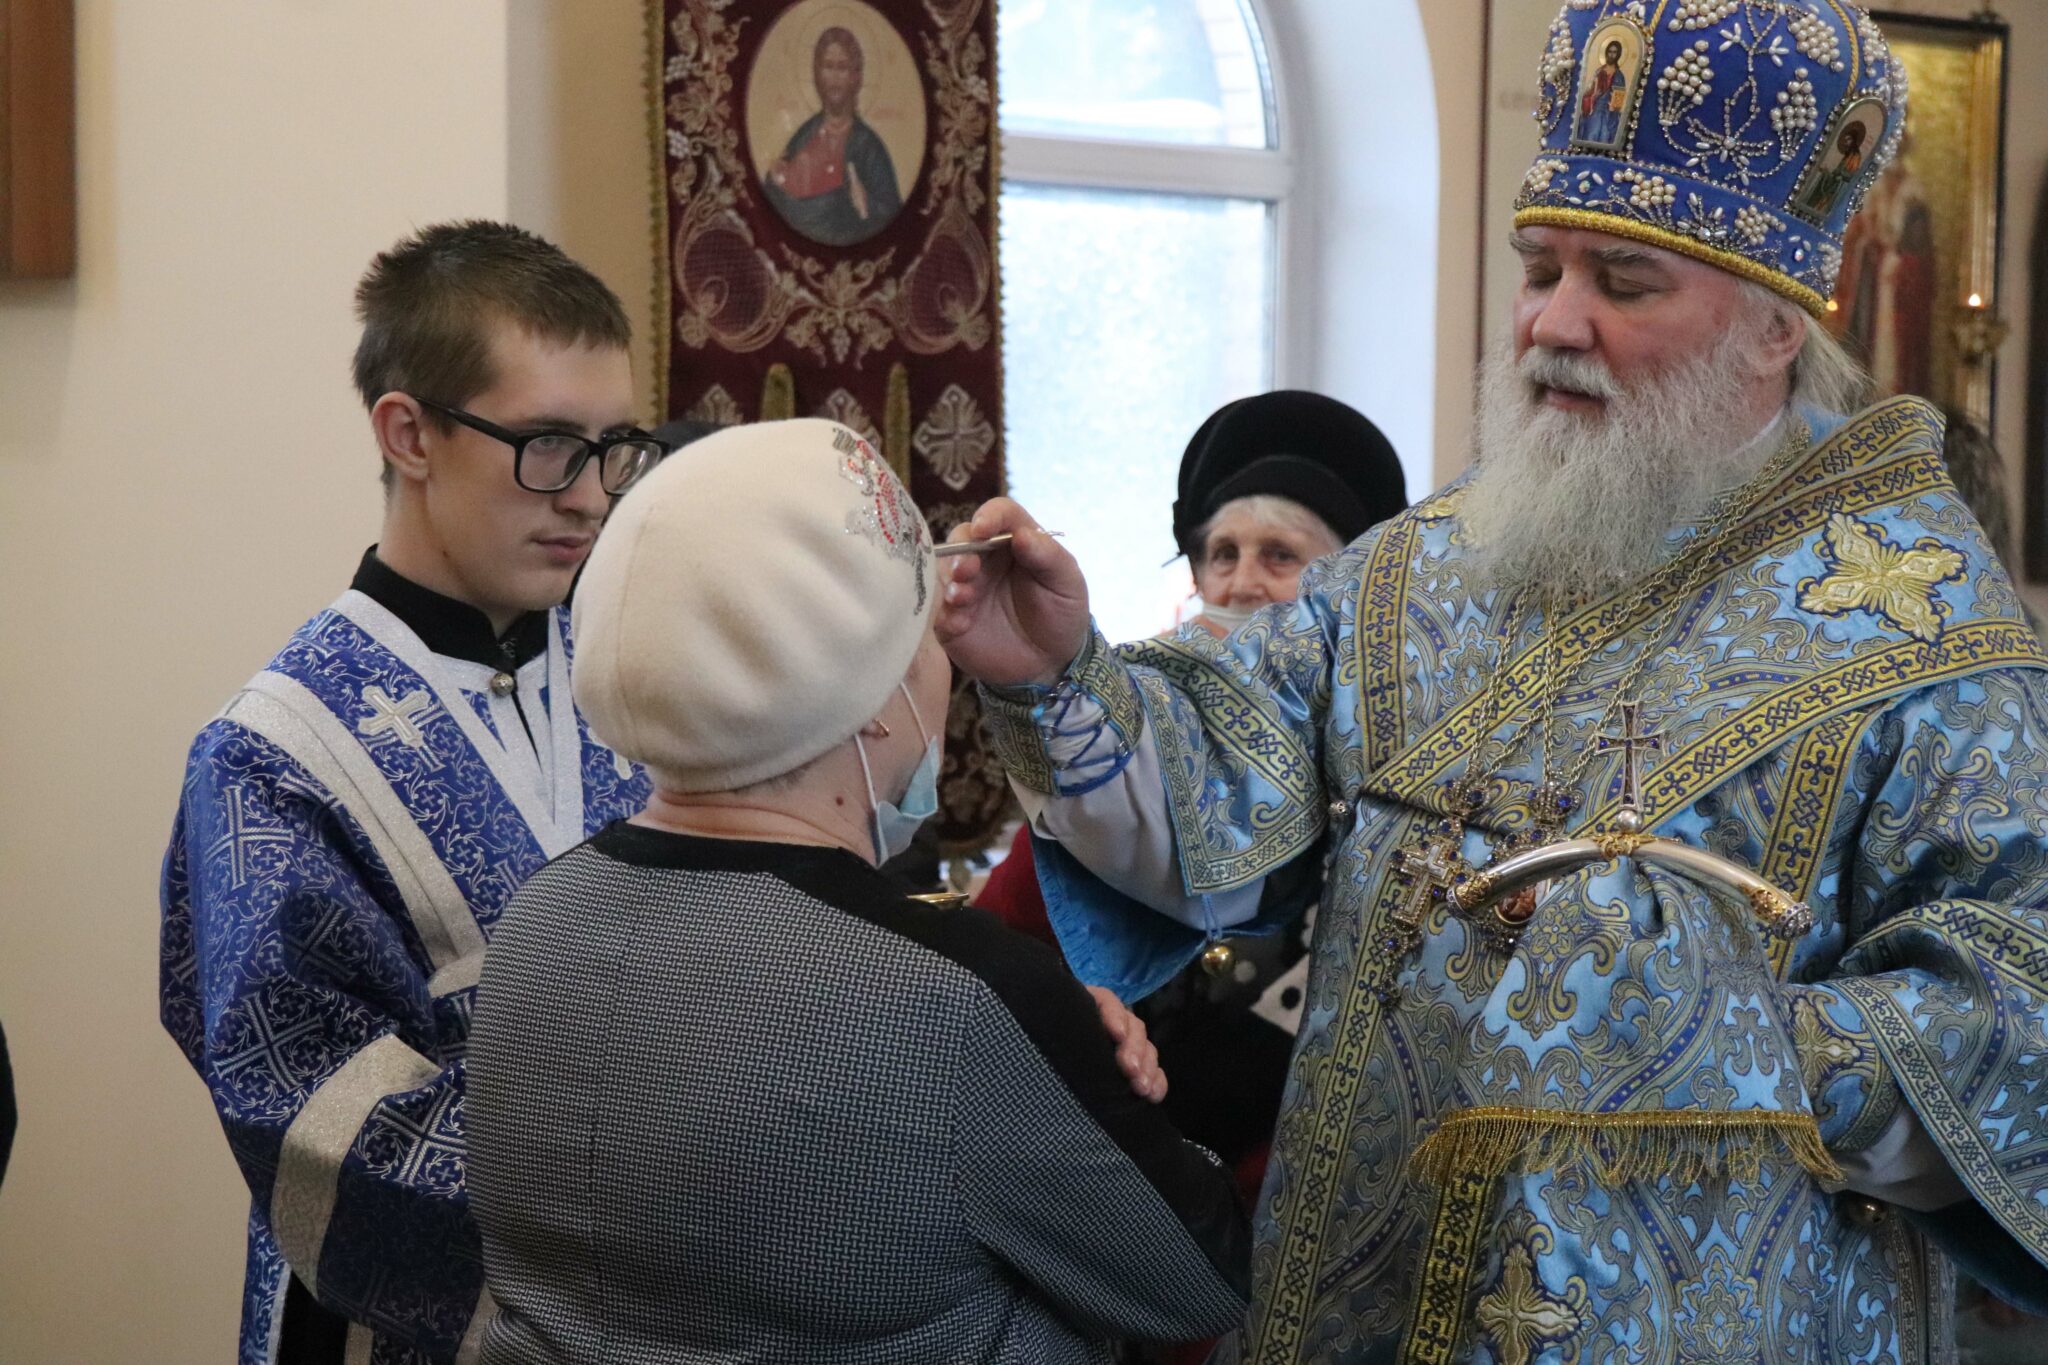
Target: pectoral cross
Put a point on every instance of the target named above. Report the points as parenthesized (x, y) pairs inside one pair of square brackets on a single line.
[(1431, 868), (1632, 741)]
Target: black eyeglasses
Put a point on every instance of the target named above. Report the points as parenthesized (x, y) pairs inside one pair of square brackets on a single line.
[(549, 461)]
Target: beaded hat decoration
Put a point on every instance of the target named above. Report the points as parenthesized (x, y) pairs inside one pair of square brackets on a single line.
[(1744, 133)]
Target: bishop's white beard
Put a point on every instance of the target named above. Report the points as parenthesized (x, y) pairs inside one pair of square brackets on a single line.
[(1568, 503)]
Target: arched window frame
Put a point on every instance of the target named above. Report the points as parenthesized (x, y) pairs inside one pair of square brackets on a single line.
[(1272, 174)]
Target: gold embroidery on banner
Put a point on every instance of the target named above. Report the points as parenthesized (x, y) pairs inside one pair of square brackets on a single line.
[(1684, 1145), (852, 309)]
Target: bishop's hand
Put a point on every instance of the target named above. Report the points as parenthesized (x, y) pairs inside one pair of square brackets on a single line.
[(1017, 614)]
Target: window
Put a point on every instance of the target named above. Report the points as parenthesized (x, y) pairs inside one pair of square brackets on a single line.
[(1144, 207)]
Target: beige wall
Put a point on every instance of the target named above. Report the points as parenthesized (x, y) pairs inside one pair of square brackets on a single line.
[(183, 478)]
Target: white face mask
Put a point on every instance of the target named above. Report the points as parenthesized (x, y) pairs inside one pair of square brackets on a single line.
[(896, 822), (1229, 618)]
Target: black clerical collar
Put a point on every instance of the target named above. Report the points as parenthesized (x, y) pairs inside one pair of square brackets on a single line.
[(447, 626)]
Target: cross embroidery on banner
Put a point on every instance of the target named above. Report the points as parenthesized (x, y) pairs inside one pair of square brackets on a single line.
[(242, 837), (956, 438), (1632, 741), (401, 719)]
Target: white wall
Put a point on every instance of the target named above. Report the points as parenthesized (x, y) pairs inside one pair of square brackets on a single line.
[(1366, 106), (184, 476)]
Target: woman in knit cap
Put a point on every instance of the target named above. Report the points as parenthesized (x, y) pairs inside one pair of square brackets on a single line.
[(732, 1097), (1267, 485)]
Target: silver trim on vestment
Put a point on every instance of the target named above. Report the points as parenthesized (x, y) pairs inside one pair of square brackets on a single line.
[(472, 1348), (309, 1162), (541, 813), (283, 711)]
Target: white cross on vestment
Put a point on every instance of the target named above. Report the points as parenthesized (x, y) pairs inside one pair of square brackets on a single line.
[(424, 1138), (268, 1047), (241, 837), (401, 719)]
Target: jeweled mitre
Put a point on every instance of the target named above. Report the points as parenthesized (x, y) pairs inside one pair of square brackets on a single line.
[(1740, 132)]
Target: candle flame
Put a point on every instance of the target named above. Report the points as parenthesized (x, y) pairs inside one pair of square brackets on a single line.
[(1976, 300)]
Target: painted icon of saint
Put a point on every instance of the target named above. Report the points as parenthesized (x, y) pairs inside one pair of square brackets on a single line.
[(1887, 290), (835, 183), (1834, 180), (1604, 100)]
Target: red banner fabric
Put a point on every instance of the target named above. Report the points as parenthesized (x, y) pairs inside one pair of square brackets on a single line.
[(828, 248)]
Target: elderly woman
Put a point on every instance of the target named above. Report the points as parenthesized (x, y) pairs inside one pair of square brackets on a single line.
[(732, 1097), (1267, 484)]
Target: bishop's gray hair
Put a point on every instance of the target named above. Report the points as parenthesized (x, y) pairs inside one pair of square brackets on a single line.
[(1824, 374)]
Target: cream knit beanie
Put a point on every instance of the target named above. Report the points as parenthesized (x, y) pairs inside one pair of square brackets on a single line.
[(751, 604)]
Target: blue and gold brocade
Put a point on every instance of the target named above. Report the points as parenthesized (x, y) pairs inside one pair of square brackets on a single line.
[(1852, 704)]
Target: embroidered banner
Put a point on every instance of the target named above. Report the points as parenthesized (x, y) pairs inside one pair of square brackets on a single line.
[(827, 248)]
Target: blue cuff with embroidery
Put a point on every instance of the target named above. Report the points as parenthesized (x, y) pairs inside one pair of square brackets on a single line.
[(1071, 738)]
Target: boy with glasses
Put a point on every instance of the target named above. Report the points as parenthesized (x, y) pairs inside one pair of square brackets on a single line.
[(356, 816)]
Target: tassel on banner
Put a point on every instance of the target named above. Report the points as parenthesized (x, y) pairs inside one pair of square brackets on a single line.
[(778, 394), (1689, 1146), (896, 422)]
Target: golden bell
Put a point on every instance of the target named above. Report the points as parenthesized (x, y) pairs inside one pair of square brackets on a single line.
[(1219, 958)]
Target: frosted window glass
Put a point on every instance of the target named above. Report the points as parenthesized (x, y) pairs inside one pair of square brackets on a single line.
[(1127, 319), (1179, 71)]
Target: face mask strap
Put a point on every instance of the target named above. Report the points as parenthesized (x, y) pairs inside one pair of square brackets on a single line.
[(922, 733), (874, 805)]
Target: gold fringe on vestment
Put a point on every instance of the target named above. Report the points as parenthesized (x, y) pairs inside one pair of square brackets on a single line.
[(1688, 1146)]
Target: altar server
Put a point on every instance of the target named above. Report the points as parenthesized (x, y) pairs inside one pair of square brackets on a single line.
[(358, 813)]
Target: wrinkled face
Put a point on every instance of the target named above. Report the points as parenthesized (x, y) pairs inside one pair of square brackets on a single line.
[(1637, 312), (1249, 560), (838, 75), (510, 550)]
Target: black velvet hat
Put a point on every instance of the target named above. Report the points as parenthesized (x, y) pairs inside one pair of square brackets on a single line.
[(1313, 450)]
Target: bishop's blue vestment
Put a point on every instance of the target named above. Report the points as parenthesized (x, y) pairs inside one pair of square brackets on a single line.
[(1638, 1128), (351, 824)]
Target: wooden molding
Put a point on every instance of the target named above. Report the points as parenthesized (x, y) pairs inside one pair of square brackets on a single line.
[(38, 140)]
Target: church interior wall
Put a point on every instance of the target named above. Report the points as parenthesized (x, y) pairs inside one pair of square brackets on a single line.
[(184, 473), (184, 476)]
